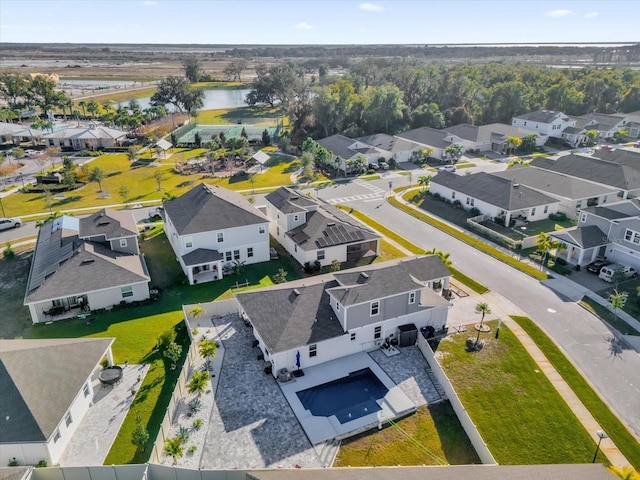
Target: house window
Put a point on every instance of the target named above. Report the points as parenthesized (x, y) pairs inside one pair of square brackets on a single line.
[(632, 236), (249, 252), (68, 420), (220, 237), (320, 255), (313, 350), (295, 218), (85, 390), (188, 242), (56, 437), (295, 248), (236, 254), (533, 211), (123, 242), (377, 332), (453, 194), (127, 291), (583, 217), (375, 308), (546, 208), (620, 194), (525, 123), (337, 307), (278, 231), (579, 204), (262, 229), (412, 297), (227, 256), (353, 336)]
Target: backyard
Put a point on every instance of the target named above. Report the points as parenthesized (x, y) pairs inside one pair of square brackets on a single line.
[(516, 409)]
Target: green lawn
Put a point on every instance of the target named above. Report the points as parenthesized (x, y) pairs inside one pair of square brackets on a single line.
[(116, 97), (517, 411), (258, 115), (607, 316), (431, 436), (627, 444), (629, 286)]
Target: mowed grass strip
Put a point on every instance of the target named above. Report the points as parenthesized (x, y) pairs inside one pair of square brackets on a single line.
[(618, 433), (517, 411), (468, 239), (411, 247), (431, 436)]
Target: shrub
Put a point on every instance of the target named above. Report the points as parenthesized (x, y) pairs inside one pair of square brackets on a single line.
[(195, 405), (183, 434), (192, 449), (13, 462), (42, 464), (197, 424), (8, 252), (317, 266), (474, 211), (457, 204), (307, 267)]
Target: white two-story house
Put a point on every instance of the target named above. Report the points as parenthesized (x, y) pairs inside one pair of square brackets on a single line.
[(350, 156), (212, 227), (544, 122), (85, 264), (322, 318), (312, 230)]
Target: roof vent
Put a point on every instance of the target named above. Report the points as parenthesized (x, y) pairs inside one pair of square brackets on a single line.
[(296, 292), (87, 262), (102, 224), (331, 224), (516, 185), (295, 198)]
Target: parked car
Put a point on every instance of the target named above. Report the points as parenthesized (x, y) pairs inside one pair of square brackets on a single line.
[(156, 213), (447, 168), (607, 273), (7, 223), (273, 254), (374, 166), (597, 265), (384, 165)]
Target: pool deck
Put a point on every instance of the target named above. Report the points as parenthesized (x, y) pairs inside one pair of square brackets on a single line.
[(319, 429)]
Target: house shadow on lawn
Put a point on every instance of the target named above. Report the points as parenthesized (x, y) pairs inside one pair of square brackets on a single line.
[(456, 446)]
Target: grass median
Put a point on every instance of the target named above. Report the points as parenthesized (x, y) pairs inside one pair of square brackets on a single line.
[(616, 430), (468, 239)]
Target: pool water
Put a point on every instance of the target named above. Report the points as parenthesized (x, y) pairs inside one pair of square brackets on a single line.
[(347, 398)]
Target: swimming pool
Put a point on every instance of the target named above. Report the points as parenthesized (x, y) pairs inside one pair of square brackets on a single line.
[(347, 398)]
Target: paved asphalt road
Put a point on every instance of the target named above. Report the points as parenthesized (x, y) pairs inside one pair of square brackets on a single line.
[(581, 335)]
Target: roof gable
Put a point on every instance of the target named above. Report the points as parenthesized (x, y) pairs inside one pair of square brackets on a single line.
[(110, 223)]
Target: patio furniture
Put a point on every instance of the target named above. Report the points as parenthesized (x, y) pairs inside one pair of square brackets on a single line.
[(110, 375)]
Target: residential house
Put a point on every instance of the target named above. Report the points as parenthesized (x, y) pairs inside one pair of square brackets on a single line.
[(544, 122), (92, 137), (633, 126), (47, 388), (210, 228), (435, 140), (350, 156), (624, 178), (611, 232), (312, 230), (620, 155), (391, 147), (492, 137), (335, 315), (85, 264), (605, 124), (573, 193), (494, 196)]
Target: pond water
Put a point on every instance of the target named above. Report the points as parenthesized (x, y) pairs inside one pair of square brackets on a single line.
[(97, 83), (213, 98)]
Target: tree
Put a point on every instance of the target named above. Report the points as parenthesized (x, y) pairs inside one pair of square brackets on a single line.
[(175, 91), (13, 88), (197, 139), (444, 257), (266, 138), (528, 143), (52, 154), (513, 143), (424, 180), (617, 300), (192, 69), (70, 179), (196, 312), (335, 265), (140, 435), (233, 70), (625, 473), (208, 348), (97, 175), (132, 154), (454, 151), (427, 115), (174, 448), (83, 105), (42, 160), (92, 108), (484, 309), (157, 176), (281, 276), (125, 194), (545, 244), (198, 382), (41, 91), (238, 267), (173, 353), (590, 137), (165, 339)]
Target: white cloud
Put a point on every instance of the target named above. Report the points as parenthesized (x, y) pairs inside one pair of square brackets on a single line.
[(371, 7), (150, 3), (591, 15), (303, 26), (560, 13), (11, 27)]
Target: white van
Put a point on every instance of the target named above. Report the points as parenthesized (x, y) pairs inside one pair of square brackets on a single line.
[(609, 271)]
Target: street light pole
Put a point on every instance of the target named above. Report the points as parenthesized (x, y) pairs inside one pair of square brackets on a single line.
[(601, 435)]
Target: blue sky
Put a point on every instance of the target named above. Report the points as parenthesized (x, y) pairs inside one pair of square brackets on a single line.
[(318, 22)]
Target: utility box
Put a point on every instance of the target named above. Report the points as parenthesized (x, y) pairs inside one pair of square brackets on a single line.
[(407, 335)]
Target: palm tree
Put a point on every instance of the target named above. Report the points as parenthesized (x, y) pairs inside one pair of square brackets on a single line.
[(441, 255), (483, 308), (617, 300), (82, 104), (196, 312), (545, 244), (174, 448), (97, 175), (424, 181), (198, 382), (92, 108), (208, 348), (625, 473)]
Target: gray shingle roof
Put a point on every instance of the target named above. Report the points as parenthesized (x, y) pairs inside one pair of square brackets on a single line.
[(63, 265), (110, 223), (207, 209), (427, 136), (388, 143), (554, 183), (605, 212), (573, 130), (542, 116), (201, 255), (290, 201), (286, 320), (40, 379), (621, 156), (583, 237), (500, 132), (465, 131), (406, 276), (338, 145), (450, 472), (593, 169), (604, 118), (501, 192)]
